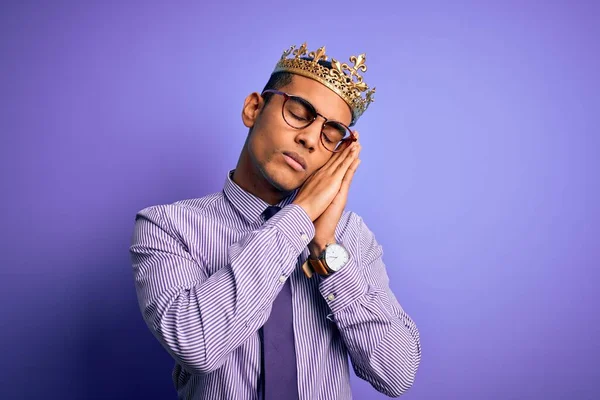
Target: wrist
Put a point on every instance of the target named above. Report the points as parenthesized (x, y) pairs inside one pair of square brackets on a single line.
[(317, 246), (306, 209)]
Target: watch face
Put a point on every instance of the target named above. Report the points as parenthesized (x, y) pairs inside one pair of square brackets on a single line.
[(336, 256)]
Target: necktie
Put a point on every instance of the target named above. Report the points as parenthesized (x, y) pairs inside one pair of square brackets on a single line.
[(279, 375)]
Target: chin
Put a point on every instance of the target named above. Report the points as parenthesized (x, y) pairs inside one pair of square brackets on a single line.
[(282, 178)]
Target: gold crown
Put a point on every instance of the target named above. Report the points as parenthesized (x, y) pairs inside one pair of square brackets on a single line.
[(341, 78)]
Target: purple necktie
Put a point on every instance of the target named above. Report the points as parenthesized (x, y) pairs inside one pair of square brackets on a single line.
[(279, 376)]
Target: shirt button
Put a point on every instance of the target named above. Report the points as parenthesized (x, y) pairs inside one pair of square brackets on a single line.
[(331, 297), (282, 278), (304, 237)]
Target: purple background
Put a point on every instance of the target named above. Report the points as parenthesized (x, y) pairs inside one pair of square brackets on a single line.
[(479, 178)]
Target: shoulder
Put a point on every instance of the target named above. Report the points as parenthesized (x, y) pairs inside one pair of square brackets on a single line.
[(183, 212)]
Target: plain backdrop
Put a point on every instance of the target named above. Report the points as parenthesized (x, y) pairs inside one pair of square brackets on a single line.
[(479, 177)]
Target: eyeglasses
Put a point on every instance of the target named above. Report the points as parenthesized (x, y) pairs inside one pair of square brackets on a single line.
[(299, 114)]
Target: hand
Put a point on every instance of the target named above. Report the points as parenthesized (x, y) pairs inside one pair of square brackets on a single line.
[(327, 222), (321, 188)]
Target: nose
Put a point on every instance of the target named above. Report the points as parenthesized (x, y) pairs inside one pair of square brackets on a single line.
[(310, 136)]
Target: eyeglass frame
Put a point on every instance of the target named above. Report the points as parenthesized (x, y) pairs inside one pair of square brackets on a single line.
[(287, 96)]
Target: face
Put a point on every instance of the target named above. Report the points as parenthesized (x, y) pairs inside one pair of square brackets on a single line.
[(271, 137)]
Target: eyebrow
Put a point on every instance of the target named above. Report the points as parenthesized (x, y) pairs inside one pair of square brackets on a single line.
[(313, 106)]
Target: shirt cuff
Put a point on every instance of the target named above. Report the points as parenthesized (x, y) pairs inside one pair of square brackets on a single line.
[(344, 287), (295, 224)]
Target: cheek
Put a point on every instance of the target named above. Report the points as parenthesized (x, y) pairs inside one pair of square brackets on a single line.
[(260, 146), (265, 138), (255, 148)]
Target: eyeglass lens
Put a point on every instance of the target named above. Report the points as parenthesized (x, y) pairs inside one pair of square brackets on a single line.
[(299, 114)]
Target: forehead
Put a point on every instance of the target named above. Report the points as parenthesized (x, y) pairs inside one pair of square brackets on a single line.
[(321, 97)]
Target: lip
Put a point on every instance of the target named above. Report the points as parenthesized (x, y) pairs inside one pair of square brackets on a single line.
[(296, 157)]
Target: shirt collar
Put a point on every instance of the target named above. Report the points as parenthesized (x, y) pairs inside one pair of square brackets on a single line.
[(247, 204)]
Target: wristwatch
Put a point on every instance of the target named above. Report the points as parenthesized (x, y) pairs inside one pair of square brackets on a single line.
[(331, 260)]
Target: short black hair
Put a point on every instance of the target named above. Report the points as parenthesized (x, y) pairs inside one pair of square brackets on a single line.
[(281, 79), (276, 82)]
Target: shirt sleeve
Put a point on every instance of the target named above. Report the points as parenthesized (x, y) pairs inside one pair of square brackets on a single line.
[(201, 319), (382, 340)]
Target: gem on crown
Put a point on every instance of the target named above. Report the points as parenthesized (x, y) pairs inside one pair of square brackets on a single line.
[(342, 78)]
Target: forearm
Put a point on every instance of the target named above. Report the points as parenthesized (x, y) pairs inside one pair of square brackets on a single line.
[(382, 340), (384, 347), (202, 319)]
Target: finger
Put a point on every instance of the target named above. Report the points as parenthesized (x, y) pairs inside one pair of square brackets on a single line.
[(331, 163), (350, 172), (356, 137), (345, 146), (345, 187), (348, 153), (344, 164)]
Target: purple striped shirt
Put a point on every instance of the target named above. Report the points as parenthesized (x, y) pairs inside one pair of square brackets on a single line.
[(208, 269)]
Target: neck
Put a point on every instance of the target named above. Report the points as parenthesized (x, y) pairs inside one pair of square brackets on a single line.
[(248, 177)]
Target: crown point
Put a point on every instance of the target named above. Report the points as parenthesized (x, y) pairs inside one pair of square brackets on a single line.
[(300, 51), (340, 77), (318, 55)]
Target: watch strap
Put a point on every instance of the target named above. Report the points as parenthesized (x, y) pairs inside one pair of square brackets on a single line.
[(318, 266), (308, 271)]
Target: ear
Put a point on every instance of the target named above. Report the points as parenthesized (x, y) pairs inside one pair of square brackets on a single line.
[(252, 107)]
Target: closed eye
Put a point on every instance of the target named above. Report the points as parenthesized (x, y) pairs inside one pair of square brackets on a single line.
[(299, 118), (327, 138)]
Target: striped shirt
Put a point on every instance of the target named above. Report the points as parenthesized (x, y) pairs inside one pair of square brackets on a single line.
[(208, 269)]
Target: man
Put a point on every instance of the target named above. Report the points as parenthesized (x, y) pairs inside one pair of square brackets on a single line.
[(261, 291)]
